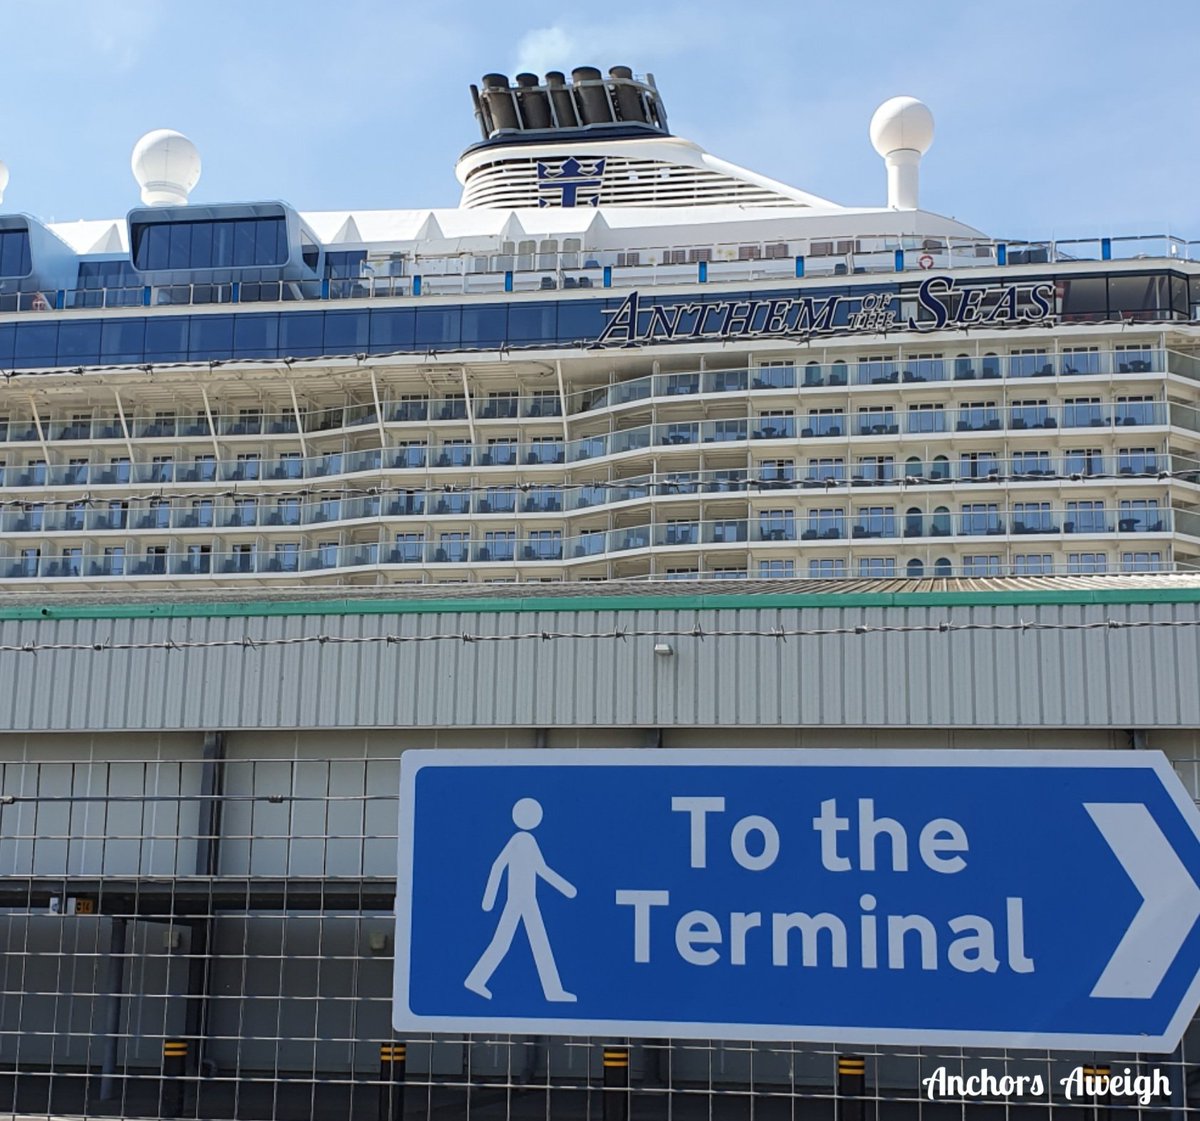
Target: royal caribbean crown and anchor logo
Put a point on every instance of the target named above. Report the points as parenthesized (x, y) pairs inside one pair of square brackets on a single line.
[(570, 182)]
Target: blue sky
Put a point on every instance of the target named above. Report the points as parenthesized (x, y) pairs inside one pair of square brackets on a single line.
[(1054, 118)]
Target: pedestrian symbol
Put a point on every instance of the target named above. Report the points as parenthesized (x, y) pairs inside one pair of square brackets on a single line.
[(524, 864)]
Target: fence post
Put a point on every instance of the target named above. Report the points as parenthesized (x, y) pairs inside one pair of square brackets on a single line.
[(851, 1087), (1100, 1100), (393, 1066), (113, 997), (616, 1083), (174, 1065)]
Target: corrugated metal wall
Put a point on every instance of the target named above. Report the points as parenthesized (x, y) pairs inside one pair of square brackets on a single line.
[(1117, 678)]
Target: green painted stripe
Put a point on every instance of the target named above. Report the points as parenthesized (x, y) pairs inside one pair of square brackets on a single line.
[(648, 602)]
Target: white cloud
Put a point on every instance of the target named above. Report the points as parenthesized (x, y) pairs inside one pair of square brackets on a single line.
[(638, 43), (547, 48)]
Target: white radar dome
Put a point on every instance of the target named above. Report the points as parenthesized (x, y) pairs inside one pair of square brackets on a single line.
[(902, 123), (3, 179), (902, 131), (166, 165)]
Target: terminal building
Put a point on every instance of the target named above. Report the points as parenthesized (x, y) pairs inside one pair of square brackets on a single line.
[(633, 447)]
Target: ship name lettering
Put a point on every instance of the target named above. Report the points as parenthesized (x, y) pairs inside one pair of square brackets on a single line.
[(941, 304), (951, 306)]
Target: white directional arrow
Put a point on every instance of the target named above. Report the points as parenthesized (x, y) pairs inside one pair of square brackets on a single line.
[(1170, 900)]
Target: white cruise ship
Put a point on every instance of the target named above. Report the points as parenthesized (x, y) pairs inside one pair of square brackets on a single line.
[(619, 357)]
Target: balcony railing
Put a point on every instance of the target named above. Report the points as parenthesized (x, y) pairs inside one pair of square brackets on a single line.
[(814, 375), (554, 547), (507, 270), (1022, 517), (658, 389), (267, 510)]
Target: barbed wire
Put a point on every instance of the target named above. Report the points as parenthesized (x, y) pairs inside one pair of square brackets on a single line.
[(617, 634)]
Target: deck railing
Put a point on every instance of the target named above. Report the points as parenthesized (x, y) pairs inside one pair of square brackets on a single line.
[(509, 270)]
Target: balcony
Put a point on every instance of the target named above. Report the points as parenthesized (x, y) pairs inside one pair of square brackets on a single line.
[(1114, 417), (833, 425), (82, 562)]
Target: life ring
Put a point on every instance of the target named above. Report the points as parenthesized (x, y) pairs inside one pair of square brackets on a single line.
[(925, 261)]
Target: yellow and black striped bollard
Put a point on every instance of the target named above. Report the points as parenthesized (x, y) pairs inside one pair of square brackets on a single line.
[(851, 1087), (1100, 1101), (393, 1064), (616, 1083), (174, 1066)]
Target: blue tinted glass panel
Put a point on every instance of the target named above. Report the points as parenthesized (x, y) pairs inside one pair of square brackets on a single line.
[(121, 340), (311, 333), (484, 326), (255, 336), (531, 322), (89, 275), (583, 319), (344, 265), (14, 253), (392, 329), (179, 255), (439, 327), (107, 274), (166, 339), (202, 245), (222, 247), (8, 336), (139, 245), (37, 343), (212, 336), (300, 335), (79, 341), (266, 241), (310, 252), (161, 246), (157, 247), (347, 332), (243, 242)]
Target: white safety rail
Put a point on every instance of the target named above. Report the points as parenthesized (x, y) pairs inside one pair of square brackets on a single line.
[(543, 265)]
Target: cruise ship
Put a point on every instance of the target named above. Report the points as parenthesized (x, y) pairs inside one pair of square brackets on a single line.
[(619, 357)]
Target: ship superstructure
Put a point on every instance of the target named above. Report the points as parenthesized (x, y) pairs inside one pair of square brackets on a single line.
[(618, 357)]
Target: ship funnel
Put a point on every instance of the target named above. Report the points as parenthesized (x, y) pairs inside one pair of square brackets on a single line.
[(627, 94), (588, 101), (498, 101), (593, 96), (535, 105), (566, 115), (902, 132)]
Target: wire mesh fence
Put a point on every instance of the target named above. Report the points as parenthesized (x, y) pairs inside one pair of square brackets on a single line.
[(204, 934)]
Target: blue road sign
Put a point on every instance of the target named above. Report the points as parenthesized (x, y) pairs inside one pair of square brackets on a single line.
[(970, 898)]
